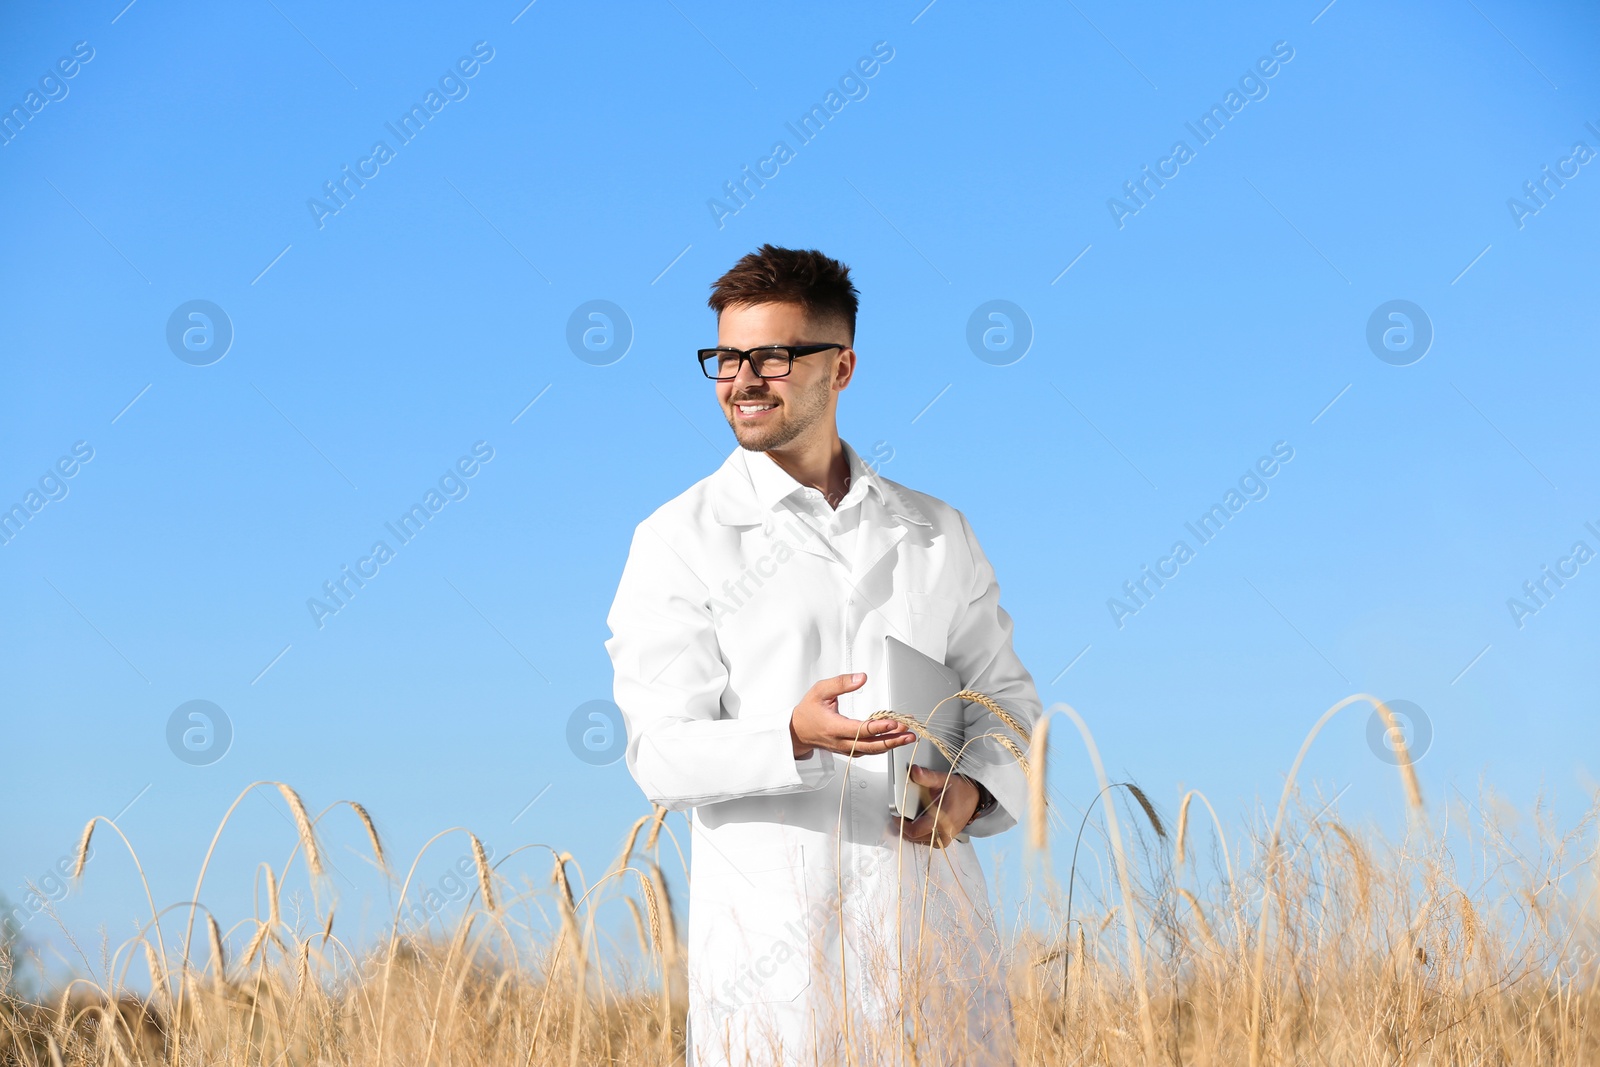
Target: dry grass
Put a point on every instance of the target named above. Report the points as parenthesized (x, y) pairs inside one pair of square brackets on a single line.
[(1467, 941)]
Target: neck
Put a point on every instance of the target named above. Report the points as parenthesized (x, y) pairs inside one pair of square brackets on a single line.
[(819, 463)]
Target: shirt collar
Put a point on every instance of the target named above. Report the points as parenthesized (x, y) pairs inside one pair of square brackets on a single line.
[(773, 484)]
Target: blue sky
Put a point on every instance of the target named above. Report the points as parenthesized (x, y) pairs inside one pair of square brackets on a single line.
[(581, 159)]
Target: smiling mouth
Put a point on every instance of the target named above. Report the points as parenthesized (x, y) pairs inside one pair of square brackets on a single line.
[(751, 409)]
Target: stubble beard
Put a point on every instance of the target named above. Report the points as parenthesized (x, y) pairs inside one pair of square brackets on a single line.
[(801, 411)]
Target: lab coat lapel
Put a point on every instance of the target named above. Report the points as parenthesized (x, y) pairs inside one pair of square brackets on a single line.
[(884, 524), (881, 531), (734, 503)]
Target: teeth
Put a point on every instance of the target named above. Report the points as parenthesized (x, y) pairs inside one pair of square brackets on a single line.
[(748, 408)]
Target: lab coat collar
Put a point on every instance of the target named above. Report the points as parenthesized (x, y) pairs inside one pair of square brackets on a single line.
[(748, 486), (773, 484)]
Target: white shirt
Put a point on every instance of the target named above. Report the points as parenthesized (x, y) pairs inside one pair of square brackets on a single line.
[(737, 596), (836, 527)]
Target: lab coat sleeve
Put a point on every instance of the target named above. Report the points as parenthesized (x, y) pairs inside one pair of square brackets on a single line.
[(668, 681), (980, 652)]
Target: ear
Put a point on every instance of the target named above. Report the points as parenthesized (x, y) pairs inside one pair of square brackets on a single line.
[(845, 369)]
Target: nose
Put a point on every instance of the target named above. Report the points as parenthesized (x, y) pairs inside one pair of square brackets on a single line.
[(746, 377)]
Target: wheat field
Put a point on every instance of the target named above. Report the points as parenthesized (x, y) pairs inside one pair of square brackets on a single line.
[(1472, 939)]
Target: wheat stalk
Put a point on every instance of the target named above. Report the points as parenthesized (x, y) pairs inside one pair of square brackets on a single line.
[(1011, 747), (920, 728), (112, 1023), (256, 941), (975, 697), (638, 923), (1200, 921), (567, 905), (1408, 772), (1038, 791), (1149, 809), (480, 860), (633, 836), (1359, 862), (82, 856), (1147, 1027), (1408, 776), (273, 916), (372, 835), (653, 907), (497, 998), (1183, 829), (668, 927), (156, 968), (219, 955), (302, 971), (655, 828), (302, 822)]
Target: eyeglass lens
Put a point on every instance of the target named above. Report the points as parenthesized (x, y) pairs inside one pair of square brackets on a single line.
[(767, 363)]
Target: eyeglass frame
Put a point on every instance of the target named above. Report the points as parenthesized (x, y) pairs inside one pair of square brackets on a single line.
[(794, 352)]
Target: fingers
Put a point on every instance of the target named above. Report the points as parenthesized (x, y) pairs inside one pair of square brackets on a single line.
[(864, 746), (867, 738), (875, 729), (851, 746), (832, 687), (926, 776), (924, 830)]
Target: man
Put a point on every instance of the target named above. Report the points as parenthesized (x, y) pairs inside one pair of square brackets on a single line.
[(747, 638)]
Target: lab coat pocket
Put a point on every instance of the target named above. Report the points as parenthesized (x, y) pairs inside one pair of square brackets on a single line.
[(760, 928), (931, 616)]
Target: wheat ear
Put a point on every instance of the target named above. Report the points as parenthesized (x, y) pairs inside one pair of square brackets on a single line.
[(1149, 809), (256, 941), (633, 836), (1183, 828), (655, 829), (1200, 921), (372, 835), (485, 876), (218, 953), (302, 822), (273, 917), (83, 849), (1001, 713)]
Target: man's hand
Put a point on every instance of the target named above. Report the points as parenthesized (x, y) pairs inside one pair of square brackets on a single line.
[(952, 800), (816, 723)]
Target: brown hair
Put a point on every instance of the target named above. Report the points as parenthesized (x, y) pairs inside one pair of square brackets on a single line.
[(773, 275)]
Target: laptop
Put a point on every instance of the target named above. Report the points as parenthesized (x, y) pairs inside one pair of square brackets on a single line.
[(917, 683)]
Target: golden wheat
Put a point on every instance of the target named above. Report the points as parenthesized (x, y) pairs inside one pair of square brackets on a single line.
[(302, 823), (1038, 798), (994, 706), (480, 861), (1377, 952), (372, 835), (81, 854)]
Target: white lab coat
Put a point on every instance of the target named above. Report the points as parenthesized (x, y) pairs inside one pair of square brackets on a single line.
[(811, 925)]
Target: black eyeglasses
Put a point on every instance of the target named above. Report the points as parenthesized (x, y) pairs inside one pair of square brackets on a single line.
[(768, 361)]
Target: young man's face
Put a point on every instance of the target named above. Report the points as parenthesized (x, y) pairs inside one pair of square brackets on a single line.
[(771, 414)]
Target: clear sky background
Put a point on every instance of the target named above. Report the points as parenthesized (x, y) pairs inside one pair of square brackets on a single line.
[(1171, 347)]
